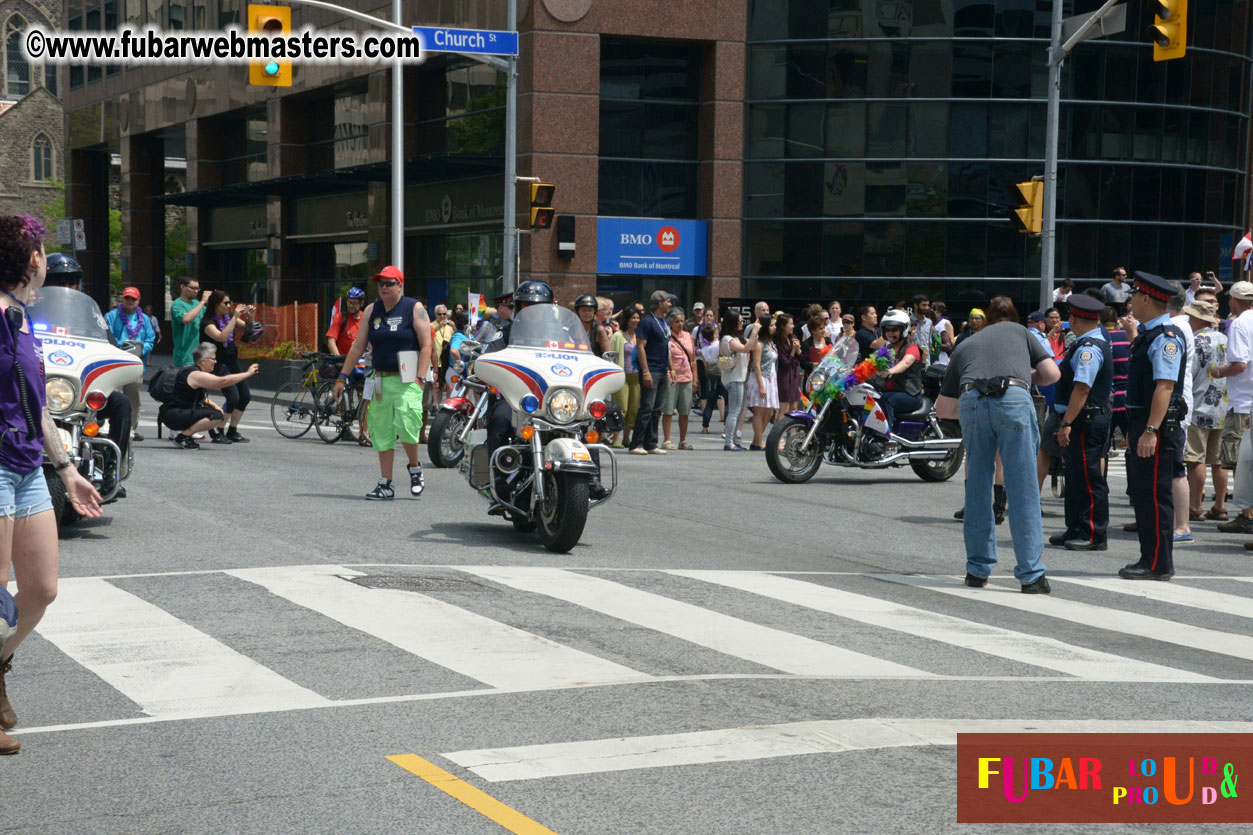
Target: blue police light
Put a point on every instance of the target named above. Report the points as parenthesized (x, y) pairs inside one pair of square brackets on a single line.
[(530, 404), (271, 68)]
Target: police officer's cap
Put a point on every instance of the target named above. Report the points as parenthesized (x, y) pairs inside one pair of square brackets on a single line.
[(1083, 306), (1153, 286), (506, 300)]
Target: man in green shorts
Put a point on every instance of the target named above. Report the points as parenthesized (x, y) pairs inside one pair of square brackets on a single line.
[(393, 324)]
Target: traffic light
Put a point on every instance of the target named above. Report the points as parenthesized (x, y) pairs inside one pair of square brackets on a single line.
[(542, 205), (269, 21), (1169, 31), (1031, 215)]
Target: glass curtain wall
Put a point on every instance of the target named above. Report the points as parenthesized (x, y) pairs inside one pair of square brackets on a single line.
[(885, 139)]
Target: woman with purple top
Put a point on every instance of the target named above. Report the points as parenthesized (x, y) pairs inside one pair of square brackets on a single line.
[(28, 529), (220, 328)]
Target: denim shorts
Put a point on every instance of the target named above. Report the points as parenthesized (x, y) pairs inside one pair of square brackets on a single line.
[(23, 495)]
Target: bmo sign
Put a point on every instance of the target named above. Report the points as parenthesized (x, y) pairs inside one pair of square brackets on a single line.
[(649, 246)]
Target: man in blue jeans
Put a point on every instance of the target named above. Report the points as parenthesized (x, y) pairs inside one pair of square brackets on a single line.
[(652, 339), (988, 388)]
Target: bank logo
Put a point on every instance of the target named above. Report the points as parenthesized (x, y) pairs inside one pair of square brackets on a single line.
[(667, 239)]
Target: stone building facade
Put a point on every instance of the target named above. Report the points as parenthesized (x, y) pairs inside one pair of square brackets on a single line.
[(32, 118)]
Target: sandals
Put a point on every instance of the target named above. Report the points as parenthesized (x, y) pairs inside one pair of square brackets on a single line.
[(364, 440), (1216, 515), (1195, 515), (669, 445), (686, 445)]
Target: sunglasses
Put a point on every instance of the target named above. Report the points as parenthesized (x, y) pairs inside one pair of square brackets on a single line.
[(389, 283)]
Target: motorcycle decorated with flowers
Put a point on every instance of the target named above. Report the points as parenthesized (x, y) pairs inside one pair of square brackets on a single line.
[(844, 425)]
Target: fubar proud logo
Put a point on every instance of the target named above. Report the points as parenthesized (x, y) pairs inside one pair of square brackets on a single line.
[(1103, 778)]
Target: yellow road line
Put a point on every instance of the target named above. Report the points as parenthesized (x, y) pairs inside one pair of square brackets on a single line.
[(481, 802)]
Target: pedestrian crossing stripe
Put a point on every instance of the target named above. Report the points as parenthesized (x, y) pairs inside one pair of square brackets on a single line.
[(172, 670), (598, 756)]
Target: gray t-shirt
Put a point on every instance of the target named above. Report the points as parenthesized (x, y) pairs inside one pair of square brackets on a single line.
[(1114, 294), (1005, 349)]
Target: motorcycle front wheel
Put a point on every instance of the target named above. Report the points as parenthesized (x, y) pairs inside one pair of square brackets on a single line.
[(941, 469), (786, 454), (444, 439), (563, 513)]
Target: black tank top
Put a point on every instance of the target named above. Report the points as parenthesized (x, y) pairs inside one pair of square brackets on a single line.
[(391, 331), (186, 397)]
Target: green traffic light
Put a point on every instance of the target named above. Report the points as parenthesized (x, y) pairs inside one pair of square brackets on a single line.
[(271, 68)]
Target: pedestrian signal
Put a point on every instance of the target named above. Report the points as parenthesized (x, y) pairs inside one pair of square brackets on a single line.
[(273, 22), (1169, 31), (1030, 217), (542, 205)]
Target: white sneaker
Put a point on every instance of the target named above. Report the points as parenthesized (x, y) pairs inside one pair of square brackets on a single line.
[(657, 451)]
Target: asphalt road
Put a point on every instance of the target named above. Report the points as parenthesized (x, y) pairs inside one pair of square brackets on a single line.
[(240, 644)]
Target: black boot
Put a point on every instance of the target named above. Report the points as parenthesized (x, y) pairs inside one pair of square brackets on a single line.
[(999, 502), (961, 513)]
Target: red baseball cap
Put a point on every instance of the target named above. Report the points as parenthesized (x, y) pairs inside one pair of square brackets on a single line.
[(390, 272), (133, 292)]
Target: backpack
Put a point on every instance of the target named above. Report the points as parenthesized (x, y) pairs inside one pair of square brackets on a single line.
[(445, 357), (161, 386)]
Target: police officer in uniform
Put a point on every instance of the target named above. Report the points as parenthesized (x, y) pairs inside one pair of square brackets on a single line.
[(1082, 398), (1154, 408)]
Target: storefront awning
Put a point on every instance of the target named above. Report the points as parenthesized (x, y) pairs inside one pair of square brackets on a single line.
[(417, 170)]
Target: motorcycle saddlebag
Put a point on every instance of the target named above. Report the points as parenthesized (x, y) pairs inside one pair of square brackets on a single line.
[(932, 378)]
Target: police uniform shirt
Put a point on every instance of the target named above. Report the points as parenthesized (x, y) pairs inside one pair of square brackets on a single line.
[(1086, 363), (1166, 353)]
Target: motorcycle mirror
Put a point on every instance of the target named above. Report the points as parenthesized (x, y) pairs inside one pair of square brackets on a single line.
[(610, 356), (470, 345)]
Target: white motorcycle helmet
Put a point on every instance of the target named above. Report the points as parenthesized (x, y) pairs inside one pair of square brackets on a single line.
[(896, 319)]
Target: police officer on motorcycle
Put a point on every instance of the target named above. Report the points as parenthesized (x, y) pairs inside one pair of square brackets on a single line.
[(499, 413), (64, 271), (1082, 397)]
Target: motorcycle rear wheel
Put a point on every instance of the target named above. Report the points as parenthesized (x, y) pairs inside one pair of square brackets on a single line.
[(788, 461), (444, 439), (941, 469)]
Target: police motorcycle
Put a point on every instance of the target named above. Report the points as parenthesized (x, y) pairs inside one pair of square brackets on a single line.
[(557, 389), (845, 426), (82, 365), (465, 408)]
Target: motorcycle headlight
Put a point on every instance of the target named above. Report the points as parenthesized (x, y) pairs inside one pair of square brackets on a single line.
[(817, 380), (563, 406), (60, 394)]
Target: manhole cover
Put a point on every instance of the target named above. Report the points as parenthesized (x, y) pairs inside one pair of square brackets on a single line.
[(416, 582)]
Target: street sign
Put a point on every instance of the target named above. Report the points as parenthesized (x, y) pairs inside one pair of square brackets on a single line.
[(1111, 23), (467, 41), (65, 232), (80, 234)]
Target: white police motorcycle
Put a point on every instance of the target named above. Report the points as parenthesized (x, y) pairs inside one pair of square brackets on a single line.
[(558, 390), (82, 365)]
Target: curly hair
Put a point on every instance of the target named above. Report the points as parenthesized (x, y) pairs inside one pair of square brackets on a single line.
[(19, 236)]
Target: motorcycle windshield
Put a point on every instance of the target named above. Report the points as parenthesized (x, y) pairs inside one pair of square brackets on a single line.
[(61, 311), (548, 326)]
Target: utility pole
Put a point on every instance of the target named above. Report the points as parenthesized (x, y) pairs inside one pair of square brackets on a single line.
[(398, 155), (512, 250), (1107, 20)]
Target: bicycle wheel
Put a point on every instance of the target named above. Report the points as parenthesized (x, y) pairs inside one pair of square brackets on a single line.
[(292, 411), (334, 416)]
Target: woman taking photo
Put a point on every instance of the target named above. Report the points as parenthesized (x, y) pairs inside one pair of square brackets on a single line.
[(733, 354), (219, 328), (789, 351), (904, 379), (28, 526), (762, 392), (188, 413), (628, 397)]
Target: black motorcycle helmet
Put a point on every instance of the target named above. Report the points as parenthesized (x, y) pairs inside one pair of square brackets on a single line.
[(64, 271), (585, 300), (532, 292)]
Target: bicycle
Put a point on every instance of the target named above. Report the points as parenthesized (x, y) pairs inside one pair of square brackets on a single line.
[(336, 417), (295, 408)]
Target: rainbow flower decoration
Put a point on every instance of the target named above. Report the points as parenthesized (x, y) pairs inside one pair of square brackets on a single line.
[(881, 361)]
